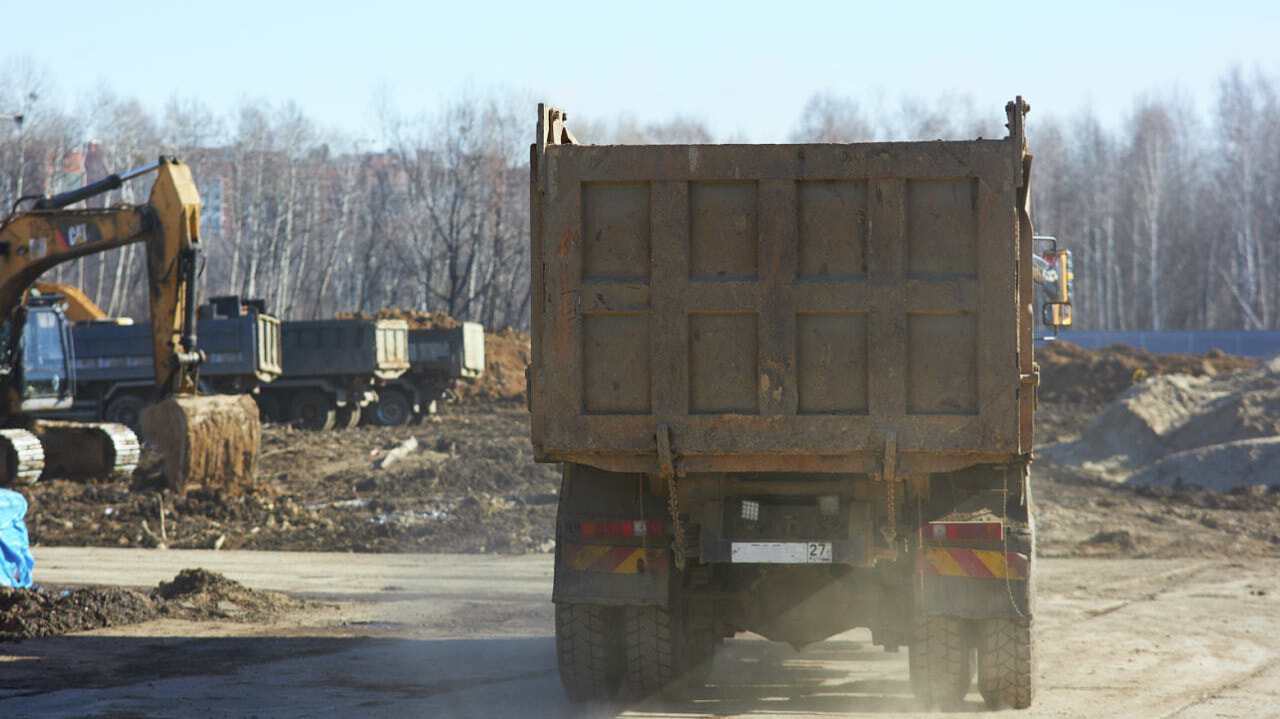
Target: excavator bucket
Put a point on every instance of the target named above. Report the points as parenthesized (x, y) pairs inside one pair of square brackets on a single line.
[(209, 441)]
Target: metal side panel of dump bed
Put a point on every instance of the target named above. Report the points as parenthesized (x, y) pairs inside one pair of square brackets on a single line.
[(323, 348), (242, 346), (741, 308)]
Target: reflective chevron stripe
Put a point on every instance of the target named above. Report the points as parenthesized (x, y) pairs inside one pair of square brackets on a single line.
[(971, 563), (614, 560)]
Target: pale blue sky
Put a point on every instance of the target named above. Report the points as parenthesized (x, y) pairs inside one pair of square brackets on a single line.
[(745, 68)]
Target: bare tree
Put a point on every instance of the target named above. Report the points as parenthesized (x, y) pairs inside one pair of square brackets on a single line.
[(829, 118)]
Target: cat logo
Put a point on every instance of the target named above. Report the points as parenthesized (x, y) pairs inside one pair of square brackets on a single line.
[(77, 234)]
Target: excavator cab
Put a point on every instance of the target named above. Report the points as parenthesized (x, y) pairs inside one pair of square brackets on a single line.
[(46, 370)]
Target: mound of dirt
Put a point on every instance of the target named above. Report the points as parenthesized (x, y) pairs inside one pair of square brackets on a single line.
[(193, 594), (1215, 431), (1076, 384), (506, 358), (417, 319), (1069, 374), (26, 613), (201, 593)]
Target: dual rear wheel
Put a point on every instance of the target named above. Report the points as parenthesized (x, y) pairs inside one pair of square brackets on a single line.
[(942, 661), (632, 652)]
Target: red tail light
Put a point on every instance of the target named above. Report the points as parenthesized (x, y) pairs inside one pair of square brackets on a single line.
[(621, 528), (981, 531)]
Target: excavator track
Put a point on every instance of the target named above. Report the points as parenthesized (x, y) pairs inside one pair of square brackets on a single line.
[(88, 449), (24, 456), (125, 446)]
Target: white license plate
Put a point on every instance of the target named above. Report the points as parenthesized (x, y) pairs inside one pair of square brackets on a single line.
[(781, 552)]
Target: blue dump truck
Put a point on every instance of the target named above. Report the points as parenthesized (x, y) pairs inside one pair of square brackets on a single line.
[(317, 374), (113, 367), (332, 370), (439, 359)]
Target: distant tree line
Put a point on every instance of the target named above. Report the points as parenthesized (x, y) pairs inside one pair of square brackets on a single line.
[(1173, 218)]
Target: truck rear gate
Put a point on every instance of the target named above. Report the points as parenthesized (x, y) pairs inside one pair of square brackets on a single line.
[(779, 307)]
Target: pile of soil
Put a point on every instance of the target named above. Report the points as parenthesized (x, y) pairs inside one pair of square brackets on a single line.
[(417, 319), (506, 358), (199, 593), (1075, 384), (1216, 431), (193, 594), (1069, 374)]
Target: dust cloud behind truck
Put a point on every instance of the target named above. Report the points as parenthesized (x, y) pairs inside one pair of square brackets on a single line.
[(792, 387)]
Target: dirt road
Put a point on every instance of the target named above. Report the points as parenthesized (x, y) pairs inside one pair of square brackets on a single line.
[(469, 636)]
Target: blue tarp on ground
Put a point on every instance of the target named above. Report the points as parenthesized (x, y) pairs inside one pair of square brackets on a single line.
[(15, 549)]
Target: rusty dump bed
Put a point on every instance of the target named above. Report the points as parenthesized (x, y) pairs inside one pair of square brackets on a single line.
[(810, 308)]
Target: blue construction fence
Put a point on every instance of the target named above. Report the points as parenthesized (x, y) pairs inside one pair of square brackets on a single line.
[(1260, 344)]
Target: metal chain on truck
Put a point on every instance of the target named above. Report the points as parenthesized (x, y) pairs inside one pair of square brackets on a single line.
[(889, 474), (677, 529), (667, 470)]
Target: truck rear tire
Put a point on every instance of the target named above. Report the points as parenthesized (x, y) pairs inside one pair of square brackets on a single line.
[(125, 409), (941, 661), (312, 410), (1006, 666), (392, 409), (661, 656), (347, 416), (588, 652), (649, 638)]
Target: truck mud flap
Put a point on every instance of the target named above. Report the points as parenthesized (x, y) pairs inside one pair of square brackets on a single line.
[(602, 574), (972, 582)]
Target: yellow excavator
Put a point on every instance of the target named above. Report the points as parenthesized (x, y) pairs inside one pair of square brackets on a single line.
[(205, 440)]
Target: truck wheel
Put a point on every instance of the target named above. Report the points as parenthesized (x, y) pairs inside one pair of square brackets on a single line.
[(125, 409), (1006, 669), (312, 410), (347, 416), (393, 409), (588, 651), (650, 643), (941, 661), (268, 408), (660, 656)]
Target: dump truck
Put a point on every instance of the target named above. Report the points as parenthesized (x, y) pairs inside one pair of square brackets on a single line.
[(113, 366), (792, 390), (331, 370), (439, 359)]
